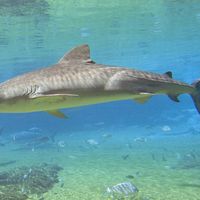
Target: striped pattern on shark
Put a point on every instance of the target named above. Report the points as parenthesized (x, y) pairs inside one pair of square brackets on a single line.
[(76, 80)]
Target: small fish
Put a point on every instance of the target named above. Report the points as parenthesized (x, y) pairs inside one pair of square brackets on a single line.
[(92, 142), (193, 155), (129, 145), (130, 176), (167, 167), (149, 127), (137, 174), (72, 157), (164, 158), (25, 136), (166, 128), (194, 132), (43, 139), (23, 190), (178, 156), (2, 144), (106, 136), (35, 129), (39, 141), (1, 131), (61, 144), (140, 139), (3, 164), (190, 155), (99, 124), (62, 185), (24, 148), (125, 157), (25, 176), (30, 171), (153, 156)]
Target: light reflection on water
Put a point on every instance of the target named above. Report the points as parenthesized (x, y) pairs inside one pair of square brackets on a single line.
[(142, 34)]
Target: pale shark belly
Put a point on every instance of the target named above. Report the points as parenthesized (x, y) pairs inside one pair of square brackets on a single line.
[(58, 102)]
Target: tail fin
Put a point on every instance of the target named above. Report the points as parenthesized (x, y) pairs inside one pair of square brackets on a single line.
[(196, 95)]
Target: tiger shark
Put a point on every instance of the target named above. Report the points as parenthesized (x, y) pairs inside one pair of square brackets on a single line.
[(76, 80)]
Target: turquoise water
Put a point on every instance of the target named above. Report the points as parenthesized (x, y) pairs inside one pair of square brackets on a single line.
[(154, 146)]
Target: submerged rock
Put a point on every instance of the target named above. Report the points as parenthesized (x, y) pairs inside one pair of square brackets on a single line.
[(21, 182), (125, 190), (12, 193)]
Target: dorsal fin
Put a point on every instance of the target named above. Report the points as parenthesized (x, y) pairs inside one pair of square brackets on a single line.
[(168, 74), (78, 54)]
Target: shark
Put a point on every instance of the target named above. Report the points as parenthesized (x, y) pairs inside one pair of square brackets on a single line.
[(76, 80)]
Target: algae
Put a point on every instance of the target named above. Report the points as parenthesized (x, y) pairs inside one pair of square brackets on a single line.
[(19, 183)]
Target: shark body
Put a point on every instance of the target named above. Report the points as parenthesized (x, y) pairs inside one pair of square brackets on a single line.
[(76, 80)]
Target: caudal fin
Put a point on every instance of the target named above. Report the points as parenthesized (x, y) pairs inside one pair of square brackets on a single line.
[(196, 95)]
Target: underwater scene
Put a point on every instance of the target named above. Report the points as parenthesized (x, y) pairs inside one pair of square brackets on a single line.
[(142, 149)]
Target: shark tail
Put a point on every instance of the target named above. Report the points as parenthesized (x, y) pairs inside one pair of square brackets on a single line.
[(196, 95)]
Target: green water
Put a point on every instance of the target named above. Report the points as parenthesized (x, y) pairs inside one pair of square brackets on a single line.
[(88, 170), (153, 35)]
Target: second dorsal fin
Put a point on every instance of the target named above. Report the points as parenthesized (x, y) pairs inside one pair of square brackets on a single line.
[(78, 54)]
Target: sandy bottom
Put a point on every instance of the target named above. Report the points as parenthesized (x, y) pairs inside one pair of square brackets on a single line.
[(156, 165)]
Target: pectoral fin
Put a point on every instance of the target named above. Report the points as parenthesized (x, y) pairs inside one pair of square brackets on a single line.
[(57, 113), (143, 97)]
